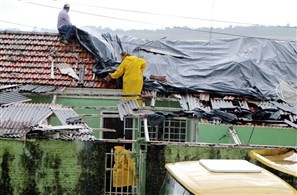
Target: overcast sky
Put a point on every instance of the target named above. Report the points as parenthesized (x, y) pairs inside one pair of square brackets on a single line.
[(151, 14)]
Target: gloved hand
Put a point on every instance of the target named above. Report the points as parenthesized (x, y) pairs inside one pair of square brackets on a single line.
[(107, 78)]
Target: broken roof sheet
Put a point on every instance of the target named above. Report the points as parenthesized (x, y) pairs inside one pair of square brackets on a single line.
[(36, 88), (12, 97), (17, 120), (242, 66)]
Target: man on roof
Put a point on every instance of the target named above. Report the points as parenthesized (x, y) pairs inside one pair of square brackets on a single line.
[(132, 68), (65, 27)]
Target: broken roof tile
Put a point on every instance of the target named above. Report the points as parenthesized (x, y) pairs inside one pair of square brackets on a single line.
[(26, 58)]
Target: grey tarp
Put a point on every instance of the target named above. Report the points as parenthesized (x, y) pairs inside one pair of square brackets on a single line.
[(239, 66)]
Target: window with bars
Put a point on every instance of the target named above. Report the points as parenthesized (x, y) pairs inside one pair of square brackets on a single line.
[(171, 129), (174, 130), (123, 128), (121, 173)]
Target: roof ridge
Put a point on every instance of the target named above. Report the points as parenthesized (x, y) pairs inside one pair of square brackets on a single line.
[(28, 32)]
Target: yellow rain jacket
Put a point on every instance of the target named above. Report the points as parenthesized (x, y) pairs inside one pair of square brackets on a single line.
[(132, 67), (123, 169)]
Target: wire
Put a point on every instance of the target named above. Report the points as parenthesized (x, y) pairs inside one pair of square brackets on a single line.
[(16, 23), (176, 16), (210, 31), (168, 15), (149, 13), (184, 28), (103, 16)]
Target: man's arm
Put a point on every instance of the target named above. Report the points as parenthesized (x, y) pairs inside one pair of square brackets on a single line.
[(67, 19), (142, 63), (120, 70)]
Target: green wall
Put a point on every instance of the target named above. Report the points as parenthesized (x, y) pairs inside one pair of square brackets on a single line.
[(63, 167), (51, 167), (210, 133), (77, 167)]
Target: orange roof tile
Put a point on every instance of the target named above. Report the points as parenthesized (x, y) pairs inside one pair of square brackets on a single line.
[(27, 57)]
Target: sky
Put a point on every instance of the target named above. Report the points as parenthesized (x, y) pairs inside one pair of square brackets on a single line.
[(153, 14)]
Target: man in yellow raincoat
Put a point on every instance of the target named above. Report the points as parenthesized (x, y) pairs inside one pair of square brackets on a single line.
[(132, 68), (123, 169)]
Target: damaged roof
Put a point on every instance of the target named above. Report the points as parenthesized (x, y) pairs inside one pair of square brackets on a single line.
[(20, 120), (226, 74), (249, 67), (40, 58)]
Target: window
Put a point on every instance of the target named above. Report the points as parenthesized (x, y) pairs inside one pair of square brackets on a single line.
[(174, 130), (123, 128)]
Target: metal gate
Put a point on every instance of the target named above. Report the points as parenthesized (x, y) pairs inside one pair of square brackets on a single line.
[(124, 172)]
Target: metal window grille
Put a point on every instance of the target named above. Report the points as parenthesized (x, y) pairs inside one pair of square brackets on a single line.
[(122, 173), (129, 128), (174, 130)]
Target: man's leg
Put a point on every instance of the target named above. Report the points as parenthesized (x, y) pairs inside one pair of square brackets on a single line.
[(67, 31), (70, 32)]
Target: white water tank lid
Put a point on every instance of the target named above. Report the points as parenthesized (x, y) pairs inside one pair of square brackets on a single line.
[(229, 166)]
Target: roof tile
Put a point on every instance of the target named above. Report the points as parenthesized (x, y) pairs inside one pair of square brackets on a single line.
[(27, 57)]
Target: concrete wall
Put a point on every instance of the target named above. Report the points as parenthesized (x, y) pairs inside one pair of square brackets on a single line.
[(66, 167), (51, 167)]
